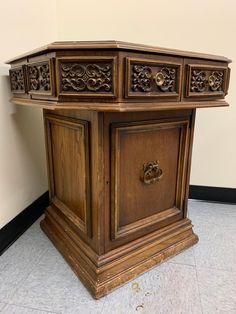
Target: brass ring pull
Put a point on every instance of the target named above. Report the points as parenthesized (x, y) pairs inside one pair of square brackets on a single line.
[(159, 78), (151, 172)]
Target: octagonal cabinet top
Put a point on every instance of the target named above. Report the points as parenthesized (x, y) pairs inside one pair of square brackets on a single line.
[(118, 76)]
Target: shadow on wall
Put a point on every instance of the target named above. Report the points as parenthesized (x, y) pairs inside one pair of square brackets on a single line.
[(22, 160), (20, 125)]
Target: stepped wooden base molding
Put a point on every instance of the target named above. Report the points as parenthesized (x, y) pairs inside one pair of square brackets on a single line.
[(119, 122), (102, 274)]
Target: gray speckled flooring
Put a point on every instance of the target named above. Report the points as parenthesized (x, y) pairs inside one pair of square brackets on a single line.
[(35, 279)]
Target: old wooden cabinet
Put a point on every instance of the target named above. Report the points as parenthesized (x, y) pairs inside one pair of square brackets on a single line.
[(119, 121)]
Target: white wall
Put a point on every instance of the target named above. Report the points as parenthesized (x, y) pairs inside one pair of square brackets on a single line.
[(204, 26), (24, 25)]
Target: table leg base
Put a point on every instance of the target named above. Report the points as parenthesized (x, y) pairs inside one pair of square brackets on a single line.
[(113, 269)]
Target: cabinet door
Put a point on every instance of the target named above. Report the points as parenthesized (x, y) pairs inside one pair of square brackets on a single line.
[(148, 170)]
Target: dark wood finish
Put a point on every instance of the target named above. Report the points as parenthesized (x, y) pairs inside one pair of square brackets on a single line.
[(116, 76), (40, 77), (87, 76), (136, 205), (153, 78), (119, 122)]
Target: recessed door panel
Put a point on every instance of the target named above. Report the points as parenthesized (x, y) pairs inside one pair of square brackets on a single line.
[(147, 164)]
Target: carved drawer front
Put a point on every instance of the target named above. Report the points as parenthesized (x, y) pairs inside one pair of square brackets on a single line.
[(17, 80), (87, 76), (148, 162), (40, 78), (152, 78), (206, 81)]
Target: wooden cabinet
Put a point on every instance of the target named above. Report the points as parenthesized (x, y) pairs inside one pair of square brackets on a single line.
[(119, 122)]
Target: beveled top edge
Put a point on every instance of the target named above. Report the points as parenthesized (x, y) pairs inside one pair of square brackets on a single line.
[(120, 45)]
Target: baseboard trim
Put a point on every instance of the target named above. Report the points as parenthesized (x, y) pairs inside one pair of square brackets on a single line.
[(212, 194), (17, 226)]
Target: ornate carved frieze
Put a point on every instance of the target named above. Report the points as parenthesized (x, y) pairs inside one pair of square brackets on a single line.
[(17, 80), (39, 77), (206, 81), (152, 78), (86, 77)]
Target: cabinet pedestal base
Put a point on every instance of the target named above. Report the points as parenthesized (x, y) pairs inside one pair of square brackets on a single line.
[(101, 274)]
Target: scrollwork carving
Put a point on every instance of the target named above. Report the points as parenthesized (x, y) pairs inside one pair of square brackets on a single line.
[(144, 78), (78, 77), (216, 80), (141, 78), (17, 80), (203, 80), (39, 77)]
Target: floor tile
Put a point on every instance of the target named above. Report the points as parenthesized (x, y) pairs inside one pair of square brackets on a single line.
[(167, 288), (217, 214), (34, 278), (186, 258), (19, 259), (52, 286), (217, 291), (215, 224), (2, 305), (14, 309)]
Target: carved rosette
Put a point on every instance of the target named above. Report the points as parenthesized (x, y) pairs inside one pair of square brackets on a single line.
[(39, 77), (84, 77), (166, 79), (17, 80), (205, 81)]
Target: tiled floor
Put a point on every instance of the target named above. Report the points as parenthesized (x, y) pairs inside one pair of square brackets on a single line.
[(35, 279)]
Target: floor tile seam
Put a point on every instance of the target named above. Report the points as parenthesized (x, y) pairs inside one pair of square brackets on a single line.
[(34, 308), (217, 269), (198, 288), (184, 264)]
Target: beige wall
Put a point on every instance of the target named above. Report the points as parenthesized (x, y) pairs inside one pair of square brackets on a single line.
[(204, 26), (22, 158)]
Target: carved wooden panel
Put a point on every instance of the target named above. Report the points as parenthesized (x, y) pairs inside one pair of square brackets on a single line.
[(147, 174), (145, 78), (68, 154), (87, 76), (40, 77), (203, 80), (17, 80)]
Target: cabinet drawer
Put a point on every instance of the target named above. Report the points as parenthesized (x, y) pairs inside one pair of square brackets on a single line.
[(206, 81), (17, 80), (40, 78), (87, 77), (157, 78)]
